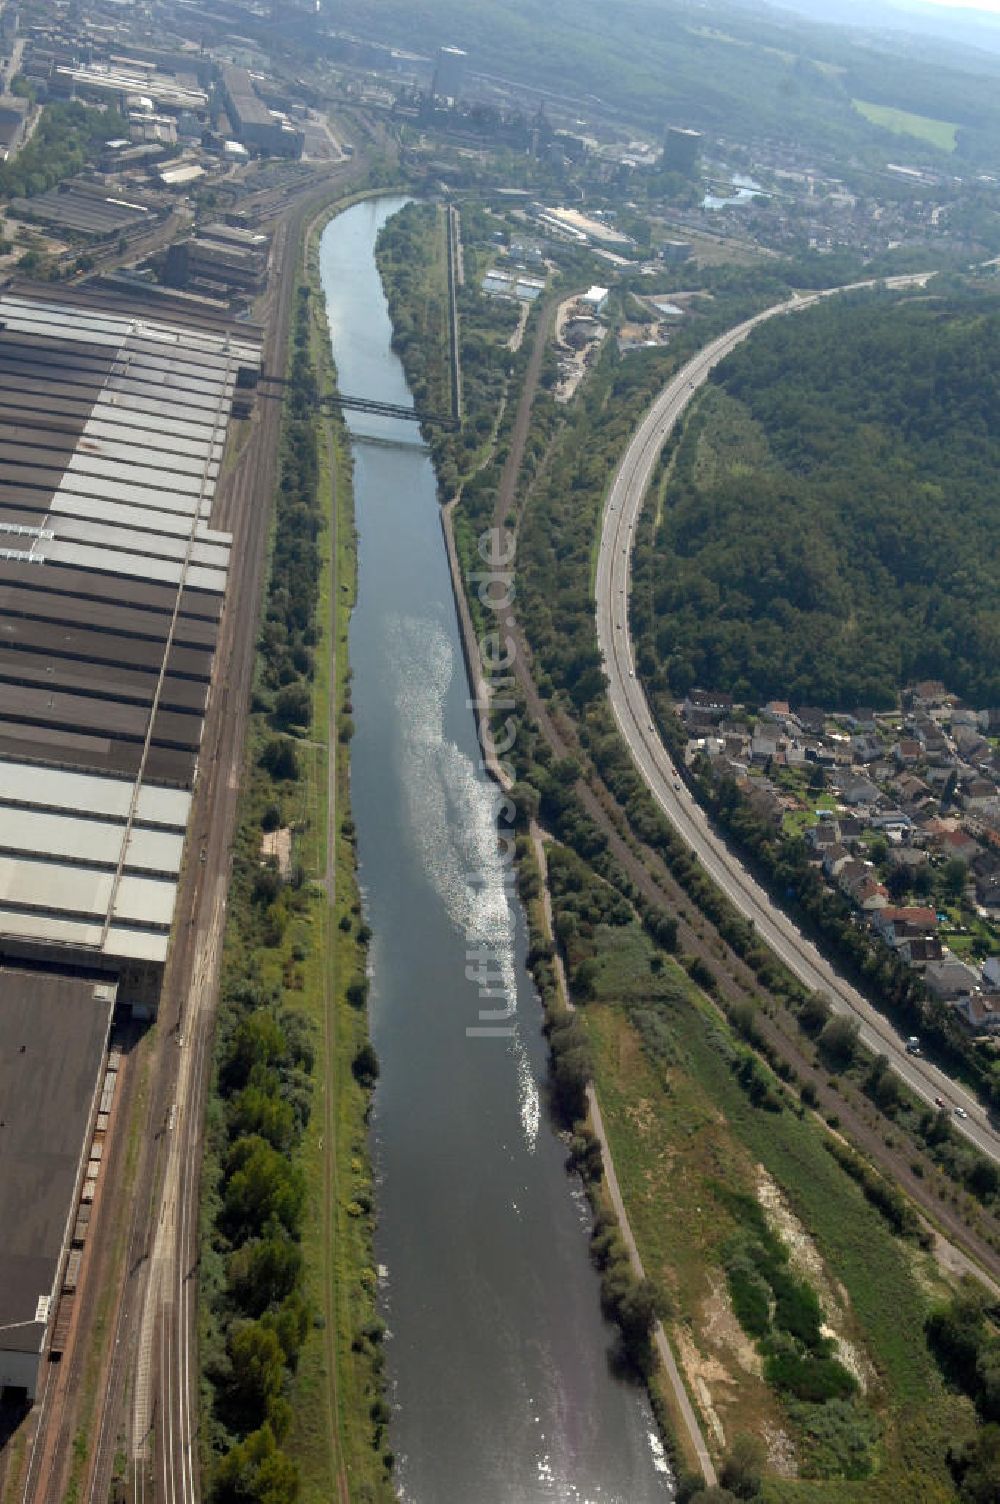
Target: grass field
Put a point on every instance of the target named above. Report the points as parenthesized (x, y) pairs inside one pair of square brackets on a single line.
[(688, 1143), (940, 133)]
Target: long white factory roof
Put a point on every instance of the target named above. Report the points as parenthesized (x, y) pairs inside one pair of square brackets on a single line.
[(112, 430)]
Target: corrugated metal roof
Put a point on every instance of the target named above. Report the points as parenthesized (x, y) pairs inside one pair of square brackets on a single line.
[(89, 842), (55, 889), (112, 429), (144, 567), (148, 545), (77, 483), (174, 524), (147, 900), (137, 475)]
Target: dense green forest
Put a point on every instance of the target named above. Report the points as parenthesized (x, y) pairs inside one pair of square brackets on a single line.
[(64, 141), (832, 525), (737, 72)]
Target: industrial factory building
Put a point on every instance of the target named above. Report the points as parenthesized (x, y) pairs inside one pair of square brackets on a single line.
[(681, 147), (112, 586), (218, 260), (111, 591), (449, 73), (252, 122), (53, 1054)]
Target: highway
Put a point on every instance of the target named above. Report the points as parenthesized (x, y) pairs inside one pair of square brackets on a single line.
[(632, 713)]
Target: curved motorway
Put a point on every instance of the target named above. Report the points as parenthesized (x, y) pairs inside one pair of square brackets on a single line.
[(632, 713)]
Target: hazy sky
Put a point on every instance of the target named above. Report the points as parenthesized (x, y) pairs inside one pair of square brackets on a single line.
[(990, 5)]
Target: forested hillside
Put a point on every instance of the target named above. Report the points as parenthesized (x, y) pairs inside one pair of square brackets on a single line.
[(832, 522), (734, 72)]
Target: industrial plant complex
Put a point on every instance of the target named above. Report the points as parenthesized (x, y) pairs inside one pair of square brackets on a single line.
[(112, 588)]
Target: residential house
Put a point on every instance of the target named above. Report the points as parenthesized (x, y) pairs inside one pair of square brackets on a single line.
[(988, 893), (897, 924), (853, 875), (979, 793), (958, 843), (699, 721), (972, 745), (859, 791), (835, 859), (871, 896), (764, 743), (912, 790), (736, 748), (979, 1014), (776, 710), (708, 701), (811, 719), (949, 979), (824, 836), (918, 950), (991, 973), (931, 694), (910, 857), (866, 746), (907, 752), (893, 824)]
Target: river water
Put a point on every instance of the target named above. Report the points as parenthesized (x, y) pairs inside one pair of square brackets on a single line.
[(502, 1383)]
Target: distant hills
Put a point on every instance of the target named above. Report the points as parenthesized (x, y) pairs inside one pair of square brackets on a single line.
[(963, 26), (728, 68)]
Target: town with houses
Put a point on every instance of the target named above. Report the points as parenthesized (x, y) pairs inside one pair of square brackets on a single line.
[(900, 812)]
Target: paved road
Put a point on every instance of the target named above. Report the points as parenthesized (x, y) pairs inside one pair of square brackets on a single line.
[(632, 713)]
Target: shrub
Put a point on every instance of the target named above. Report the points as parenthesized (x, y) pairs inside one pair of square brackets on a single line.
[(364, 1066), (809, 1377), (839, 1040)]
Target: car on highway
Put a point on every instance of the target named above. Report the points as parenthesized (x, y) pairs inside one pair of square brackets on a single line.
[(939, 1102), (960, 1112), (913, 1045)]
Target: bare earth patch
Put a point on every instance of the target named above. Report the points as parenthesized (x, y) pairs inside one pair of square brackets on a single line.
[(276, 845), (699, 1371), (806, 1260), (780, 1451), (723, 1331)]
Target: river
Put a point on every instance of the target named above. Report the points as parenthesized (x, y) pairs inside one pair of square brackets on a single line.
[(502, 1384)]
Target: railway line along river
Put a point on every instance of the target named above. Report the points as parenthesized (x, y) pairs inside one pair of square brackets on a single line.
[(502, 1381)]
